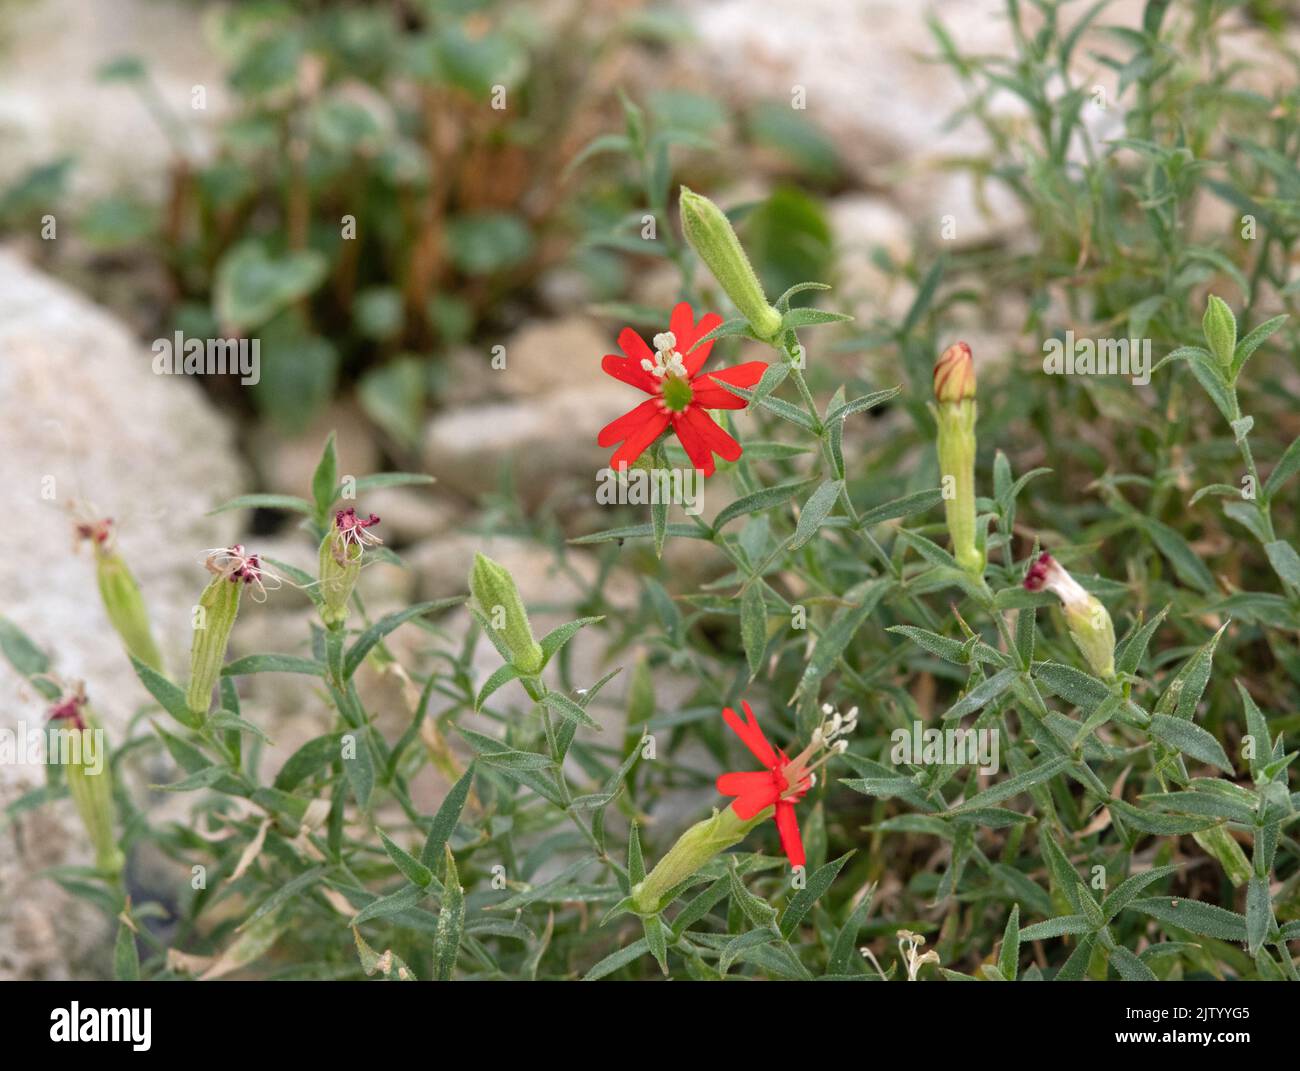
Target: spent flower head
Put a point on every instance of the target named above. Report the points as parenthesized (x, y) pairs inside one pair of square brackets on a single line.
[(1086, 618), (236, 565)]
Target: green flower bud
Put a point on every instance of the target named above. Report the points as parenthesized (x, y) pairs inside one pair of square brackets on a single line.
[(340, 562), (1220, 329), (498, 600), (125, 608), (955, 412), (694, 848), (1086, 618), (76, 742), (711, 235)]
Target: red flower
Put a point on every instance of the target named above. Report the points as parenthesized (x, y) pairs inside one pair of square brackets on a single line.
[(785, 781), (670, 374)]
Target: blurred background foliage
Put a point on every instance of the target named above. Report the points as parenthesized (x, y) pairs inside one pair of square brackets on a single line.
[(443, 136)]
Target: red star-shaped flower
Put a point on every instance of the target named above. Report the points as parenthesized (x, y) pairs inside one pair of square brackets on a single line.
[(784, 781), (679, 394)]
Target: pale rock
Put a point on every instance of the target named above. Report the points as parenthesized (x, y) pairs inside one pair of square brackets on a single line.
[(84, 417)]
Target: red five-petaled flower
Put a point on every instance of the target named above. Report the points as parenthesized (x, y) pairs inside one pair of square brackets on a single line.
[(679, 394), (783, 781)]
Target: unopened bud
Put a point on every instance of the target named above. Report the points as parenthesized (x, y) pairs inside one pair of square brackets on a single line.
[(493, 588), (1220, 329), (954, 374), (711, 235), (954, 413)]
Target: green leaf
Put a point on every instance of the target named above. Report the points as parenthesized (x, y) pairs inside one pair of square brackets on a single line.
[(169, 696), (753, 626), (1057, 927), (558, 637), (1259, 913), (388, 623), (815, 512), (412, 869), (1189, 738), (616, 960), (982, 694), (251, 285), (264, 501), (1248, 345), (394, 904), (451, 923), (635, 861), (1194, 916), (568, 709), (1013, 786), (1287, 466), (325, 478), (1285, 561), (917, 502), (273, 663), (126, 957), (444, 822), (765, 499), (1130, 968), (1129, 889), (1009, 955), (657, 941), (1187, 565), (816, 887), (312, 756), (858, 405)]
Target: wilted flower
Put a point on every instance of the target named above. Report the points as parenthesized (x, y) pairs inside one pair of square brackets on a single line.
[(340, 561), (233, 569), (680, 394), (88, 775), (119, 591), (1086, 618)]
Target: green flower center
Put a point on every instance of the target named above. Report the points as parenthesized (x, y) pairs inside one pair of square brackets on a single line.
[(677, 394)]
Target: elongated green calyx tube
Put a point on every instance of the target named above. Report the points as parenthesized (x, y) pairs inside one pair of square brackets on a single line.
[(121, 596), (711, 235), (694, 848), (954, 413), (493, 588), (341, 552), (1086, 618), (214, 617), (76, 742)]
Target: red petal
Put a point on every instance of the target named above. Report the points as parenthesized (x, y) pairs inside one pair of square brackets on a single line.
[(788, 826), (630, 422), (636, 348), (747, 807), (709, 395), (693, 443), (714, 437), (639, 441), (751, 734), (686, 331), (629, 371), (746, 783)]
